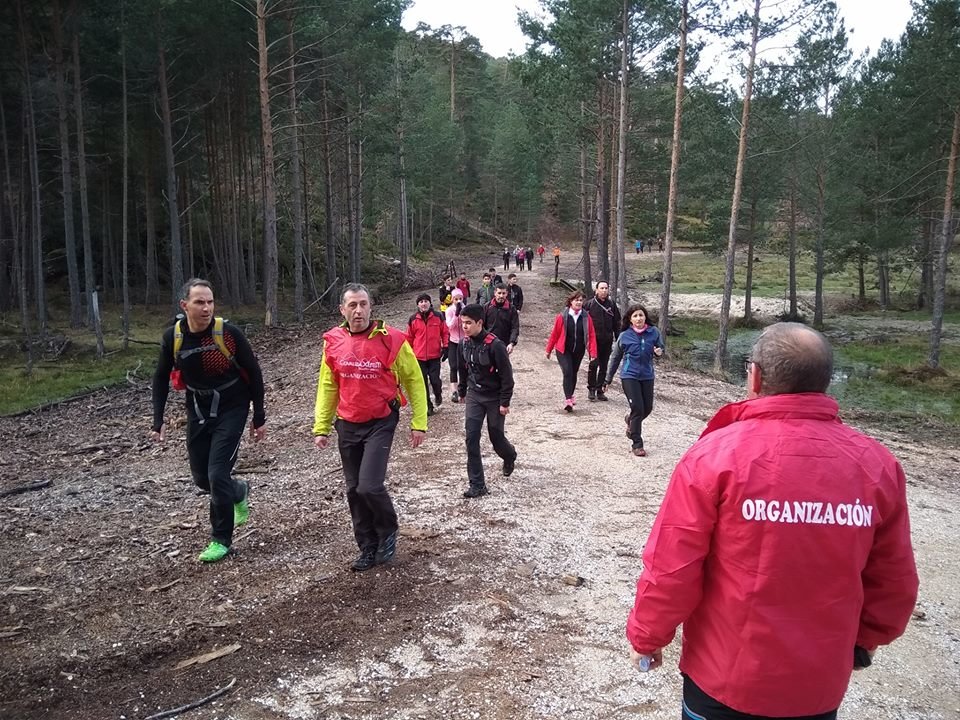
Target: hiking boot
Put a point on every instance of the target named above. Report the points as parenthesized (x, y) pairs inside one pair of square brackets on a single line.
[(431, 411), (568, 405), (439, 400), (455, 398), (602, 396), (386, 549), (214, 552), (508, 466), (639, 452), (366, 560), (591, 395), (475, 492), (241, 510)]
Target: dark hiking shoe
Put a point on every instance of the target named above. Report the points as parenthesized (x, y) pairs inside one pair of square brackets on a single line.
[(439, 400), (431, 411), (508, 466), (366, 560), (475, 492), (602, 396), (639, 452), (455, 398), (591, 395), (241, 510), (386, 549)]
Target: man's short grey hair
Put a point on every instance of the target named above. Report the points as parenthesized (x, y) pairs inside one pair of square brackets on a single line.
[(355, 288), (793, 358), (191, 284)]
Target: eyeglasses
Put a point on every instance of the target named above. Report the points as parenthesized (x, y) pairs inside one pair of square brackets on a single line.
[(747, 364)]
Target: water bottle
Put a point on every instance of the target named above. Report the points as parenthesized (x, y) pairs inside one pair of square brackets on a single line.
[(645, 662)]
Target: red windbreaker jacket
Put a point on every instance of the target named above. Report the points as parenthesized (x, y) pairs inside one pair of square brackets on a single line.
[(428, 338), (783, 540), (558, 336)]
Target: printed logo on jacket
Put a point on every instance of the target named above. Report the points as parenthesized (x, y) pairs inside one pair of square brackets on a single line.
[(360, 368), (807, 512)]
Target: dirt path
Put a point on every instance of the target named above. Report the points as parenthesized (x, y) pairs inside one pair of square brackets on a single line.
[(103, 595)]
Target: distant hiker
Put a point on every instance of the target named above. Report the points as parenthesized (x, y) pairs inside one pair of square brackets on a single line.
[(529, 256), (638, 247), (485, 293), (556, 263), (363, 366), (456, 338), (660, 243), (463, 285), (444, 296), (506, 258), (636, 346), (782, 546), (428, 335), (606, 324), (521, 257), (572, 337), (514, 292), (540, 251), (501, 318), (213, 361), (487, 384)]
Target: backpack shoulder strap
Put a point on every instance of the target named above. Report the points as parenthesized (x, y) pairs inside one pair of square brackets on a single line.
[(218, 338), (177, 340)]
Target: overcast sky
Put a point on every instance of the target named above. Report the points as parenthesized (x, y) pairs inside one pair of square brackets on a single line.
[(494, 22)]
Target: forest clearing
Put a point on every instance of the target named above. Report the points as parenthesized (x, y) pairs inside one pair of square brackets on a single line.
[(482, 615), (282, 151)]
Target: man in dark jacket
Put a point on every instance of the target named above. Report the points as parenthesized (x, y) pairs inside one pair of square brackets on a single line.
[(487, 385), (514, 292), (606, 324), (428, 335), (501, 318), (220, 389)]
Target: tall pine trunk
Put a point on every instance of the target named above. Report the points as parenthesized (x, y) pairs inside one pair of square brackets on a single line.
[(330, 244), (721, 354), (671, 225), (748, 287), (583, 229), (296, 191), (66, 171), (943, 247), (819, 249), (618, 258), (270, 254), (792, 246), (173, 211), (124, 219)]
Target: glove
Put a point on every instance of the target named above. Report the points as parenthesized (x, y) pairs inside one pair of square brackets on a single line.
[(444, 354)]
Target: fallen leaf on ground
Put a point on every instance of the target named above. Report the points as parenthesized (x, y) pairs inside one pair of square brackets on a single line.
[(207, 657)]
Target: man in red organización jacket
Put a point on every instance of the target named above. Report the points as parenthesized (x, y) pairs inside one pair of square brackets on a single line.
[(428, 335), (782, 545)]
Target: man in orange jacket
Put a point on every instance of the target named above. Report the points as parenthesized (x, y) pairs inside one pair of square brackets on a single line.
[(364, 364), (782, 545)]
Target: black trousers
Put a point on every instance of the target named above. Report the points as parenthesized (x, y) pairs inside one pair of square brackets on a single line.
[(640, 398), (597, 369), (506, 262), (570, 366), (431, 378), (697, 705), (529, 262), (453, 360), (476, 411), (364, 452), (212, 447)]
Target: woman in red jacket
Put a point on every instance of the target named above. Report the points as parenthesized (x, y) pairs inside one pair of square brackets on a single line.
[(572, 336)]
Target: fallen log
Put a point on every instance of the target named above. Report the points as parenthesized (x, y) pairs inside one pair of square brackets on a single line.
[(39, 485), (197, 703)]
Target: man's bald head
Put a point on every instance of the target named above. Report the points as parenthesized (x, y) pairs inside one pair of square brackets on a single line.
[(793, 358)]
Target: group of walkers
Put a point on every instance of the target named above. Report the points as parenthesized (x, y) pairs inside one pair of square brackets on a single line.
[(521, 256), (778, 502), (639, 244)]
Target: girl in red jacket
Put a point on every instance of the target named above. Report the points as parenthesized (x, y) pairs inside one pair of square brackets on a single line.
[(572, 336)]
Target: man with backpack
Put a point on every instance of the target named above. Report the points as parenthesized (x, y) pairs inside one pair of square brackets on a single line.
[(501, 318), (213, 361), (487, 385)]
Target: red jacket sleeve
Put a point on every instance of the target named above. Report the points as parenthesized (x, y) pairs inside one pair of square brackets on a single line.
[(591, 338), (555, 334), (671, 585), (890, 576)]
